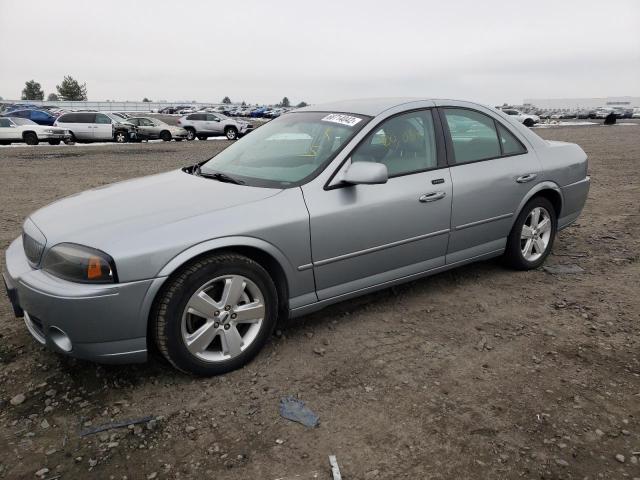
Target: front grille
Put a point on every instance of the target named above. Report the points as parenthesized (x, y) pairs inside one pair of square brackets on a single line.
[(32, 248), (57, 132)]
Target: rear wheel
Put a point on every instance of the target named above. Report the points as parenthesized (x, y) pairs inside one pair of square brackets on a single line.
[(191, 134), (215, 315), (165, 136), (532, 235), (528, 122), (31, 138), (54, 142), (231, 133)]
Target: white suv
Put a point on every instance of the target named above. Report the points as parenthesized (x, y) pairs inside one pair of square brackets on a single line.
[(203, 125), (525, 118)]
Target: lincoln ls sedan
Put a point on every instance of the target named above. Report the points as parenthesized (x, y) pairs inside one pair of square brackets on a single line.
[(319, 205)]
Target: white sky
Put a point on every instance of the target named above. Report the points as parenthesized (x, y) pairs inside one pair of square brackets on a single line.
[(261, 50)]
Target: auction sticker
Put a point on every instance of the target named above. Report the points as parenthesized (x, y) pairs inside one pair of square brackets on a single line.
[(342, 119)]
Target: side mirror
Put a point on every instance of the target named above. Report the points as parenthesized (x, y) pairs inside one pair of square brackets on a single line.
[(366, 173)]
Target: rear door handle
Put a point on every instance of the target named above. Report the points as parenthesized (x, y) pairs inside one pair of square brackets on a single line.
[(432, 197), (526, 178)]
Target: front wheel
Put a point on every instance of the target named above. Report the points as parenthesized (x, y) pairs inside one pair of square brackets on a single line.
[(191, 134), (121, 137), (528, 122), (231, 133), (215, 315), (532, 236), (165, 136)]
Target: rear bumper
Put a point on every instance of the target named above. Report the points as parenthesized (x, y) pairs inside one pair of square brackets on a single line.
[(101, 323)]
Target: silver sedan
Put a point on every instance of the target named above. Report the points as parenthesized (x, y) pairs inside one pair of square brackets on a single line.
[(320, 205), (153, 128)]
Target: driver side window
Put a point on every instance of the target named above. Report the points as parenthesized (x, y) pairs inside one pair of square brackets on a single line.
[(5, 123), (405, 144)]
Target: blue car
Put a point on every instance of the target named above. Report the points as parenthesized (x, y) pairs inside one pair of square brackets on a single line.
[(38, 116)]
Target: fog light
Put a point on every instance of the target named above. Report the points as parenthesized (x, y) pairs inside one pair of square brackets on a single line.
[(61, 339)]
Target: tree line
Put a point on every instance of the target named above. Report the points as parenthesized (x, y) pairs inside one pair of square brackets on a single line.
[(69, 89)]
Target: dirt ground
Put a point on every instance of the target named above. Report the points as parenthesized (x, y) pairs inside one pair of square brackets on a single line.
[(481, 372)]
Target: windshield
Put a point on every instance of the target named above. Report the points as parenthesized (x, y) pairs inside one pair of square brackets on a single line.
[(287, 150), (22, 121)]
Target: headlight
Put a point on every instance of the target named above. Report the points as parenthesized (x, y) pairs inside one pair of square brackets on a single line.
[(48, 130), (78, 263)]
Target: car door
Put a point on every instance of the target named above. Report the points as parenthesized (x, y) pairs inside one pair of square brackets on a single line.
[(492, 170), (214, 124), (366, 235), (82, 124), (102, 127), (8, 130)]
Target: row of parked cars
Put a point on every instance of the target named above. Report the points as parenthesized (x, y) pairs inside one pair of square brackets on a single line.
[(229, 110), (548, 114), (121, 127)]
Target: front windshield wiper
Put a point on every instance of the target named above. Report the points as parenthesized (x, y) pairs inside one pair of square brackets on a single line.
[(221, 177)]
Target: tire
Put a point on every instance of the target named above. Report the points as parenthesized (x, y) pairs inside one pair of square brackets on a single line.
[(121, 136), (231, 133), (54, 142), (528, 122), (30, 138), (191, 134), (517, 254), (202, 137), (165, 136), (174, 321), (71, 140), (178, 139)]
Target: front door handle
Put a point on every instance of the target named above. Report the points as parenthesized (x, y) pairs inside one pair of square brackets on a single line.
[(432, 197), (526, 178)]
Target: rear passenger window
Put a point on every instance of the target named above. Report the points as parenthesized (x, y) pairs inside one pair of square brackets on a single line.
[(473, 135), (102, 118), (405, 144), (510, 144), (197, 116)]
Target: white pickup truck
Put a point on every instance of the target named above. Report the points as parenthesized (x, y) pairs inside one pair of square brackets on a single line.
[(14, 129)]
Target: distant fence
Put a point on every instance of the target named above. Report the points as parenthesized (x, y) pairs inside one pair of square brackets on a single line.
[(111, 106)]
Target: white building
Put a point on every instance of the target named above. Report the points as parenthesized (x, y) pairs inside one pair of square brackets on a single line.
[(587, 103)]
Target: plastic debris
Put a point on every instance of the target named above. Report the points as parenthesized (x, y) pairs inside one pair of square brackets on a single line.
[(560, 269), (109, 426), (293, 409), (335, 470)]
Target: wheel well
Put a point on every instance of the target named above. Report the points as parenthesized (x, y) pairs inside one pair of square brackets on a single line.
[(24, 134), (265, 260), (228, 127), (554, 197)]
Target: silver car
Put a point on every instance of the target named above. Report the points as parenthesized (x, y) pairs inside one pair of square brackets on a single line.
[(320, 205), (203, 125), (152, 128)]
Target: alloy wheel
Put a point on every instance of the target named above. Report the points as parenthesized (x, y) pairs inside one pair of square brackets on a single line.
[(223, 318), (535, 234)]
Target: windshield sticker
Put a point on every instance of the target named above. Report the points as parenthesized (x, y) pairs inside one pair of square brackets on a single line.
[(342, 119)]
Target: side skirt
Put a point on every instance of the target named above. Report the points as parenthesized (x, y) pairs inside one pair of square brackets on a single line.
[(297, 312)]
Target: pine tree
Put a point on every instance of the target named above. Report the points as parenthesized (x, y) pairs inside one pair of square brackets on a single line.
[(32, 91), (70, 89)]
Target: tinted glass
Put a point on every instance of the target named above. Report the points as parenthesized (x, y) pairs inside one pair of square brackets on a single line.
[(405, 143), (4, 122), (21, 114), (473, 135), (287, 150), (211, 118), (37, 115), (68, 118), (133, 121), (510, 144), (197, 116), (102, 118)]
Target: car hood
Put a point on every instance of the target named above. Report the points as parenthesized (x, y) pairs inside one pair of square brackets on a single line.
[(109, 215)]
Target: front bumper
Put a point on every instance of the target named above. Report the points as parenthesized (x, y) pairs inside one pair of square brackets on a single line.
[(101, 323), (54, 136)]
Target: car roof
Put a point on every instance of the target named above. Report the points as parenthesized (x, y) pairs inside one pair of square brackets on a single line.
[(363, 106)]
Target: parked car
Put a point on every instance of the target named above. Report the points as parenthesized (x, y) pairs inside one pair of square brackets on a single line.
[(97, 126), (41, 117), (205, 125), (320, 205), (524, 118), (17, 129), (152, 128)]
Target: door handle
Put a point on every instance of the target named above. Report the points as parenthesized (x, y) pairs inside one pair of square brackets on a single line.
[(526, 178), (432, 197)]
